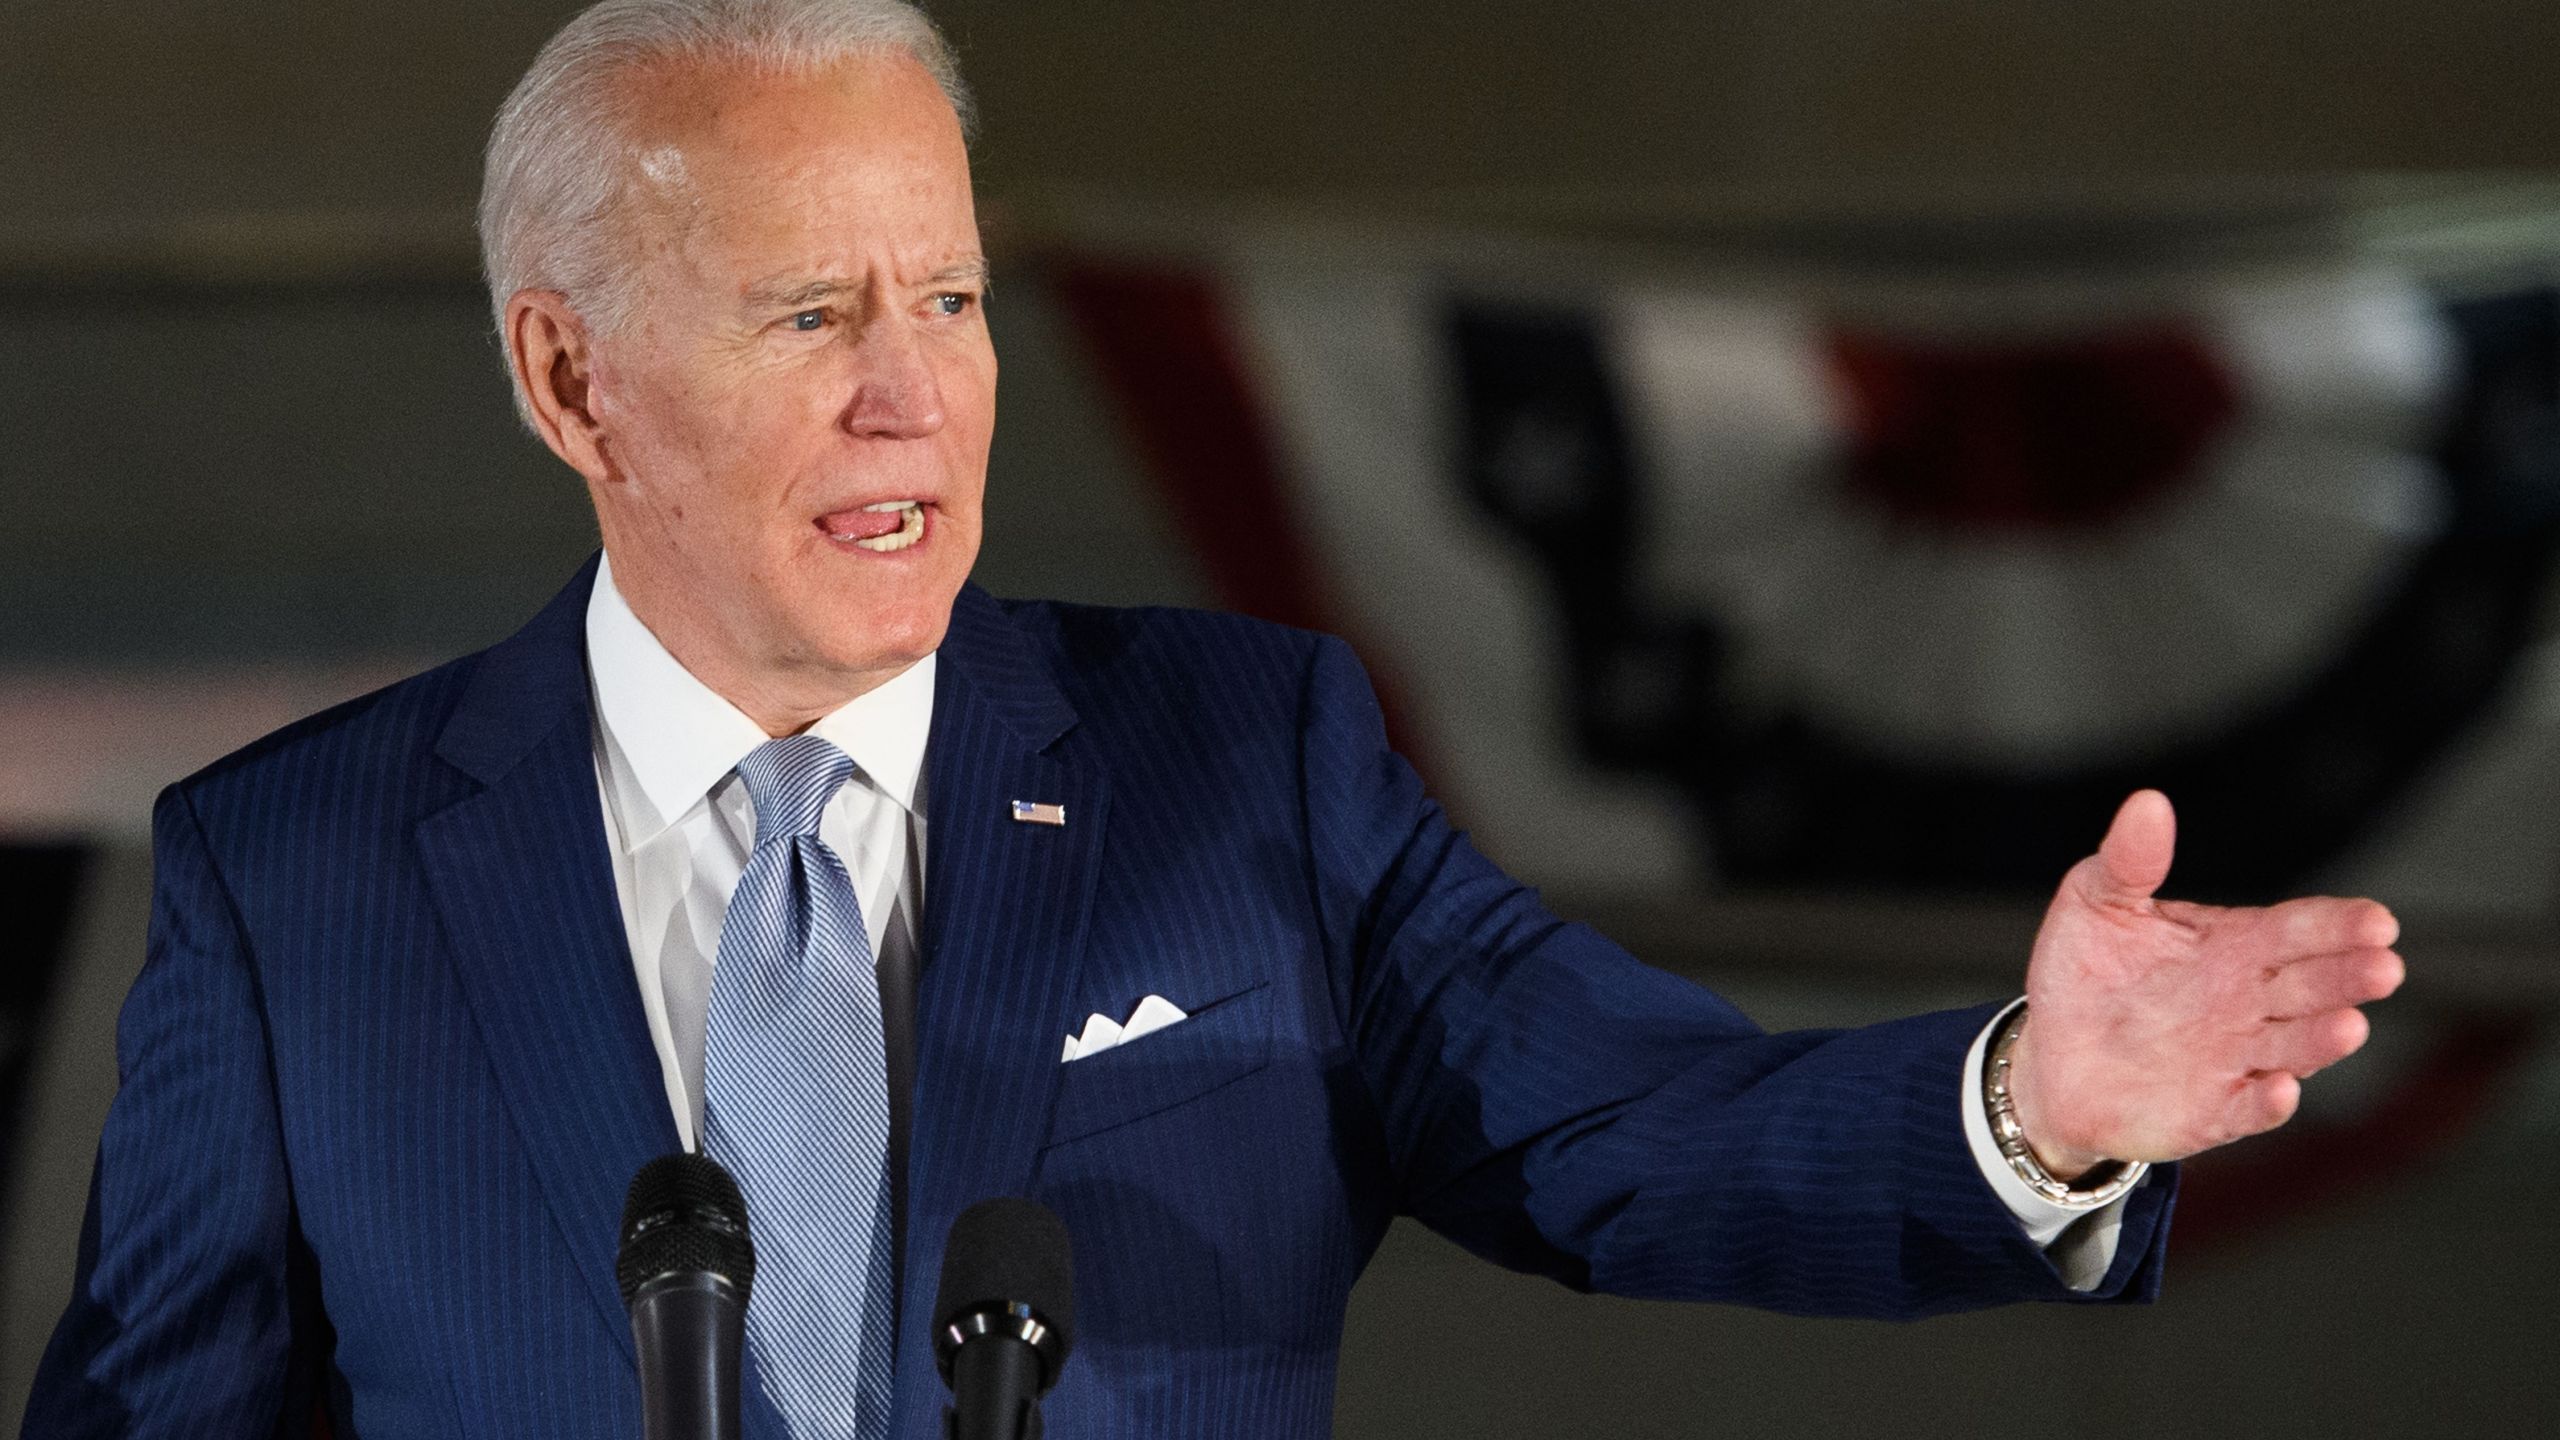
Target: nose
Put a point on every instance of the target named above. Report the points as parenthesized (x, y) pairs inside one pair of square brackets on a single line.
[(896, 394)]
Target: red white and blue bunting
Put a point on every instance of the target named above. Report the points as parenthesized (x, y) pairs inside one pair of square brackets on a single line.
[(1667, 583)]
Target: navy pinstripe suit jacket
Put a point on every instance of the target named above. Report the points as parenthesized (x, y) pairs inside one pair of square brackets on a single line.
[(386, 1075)]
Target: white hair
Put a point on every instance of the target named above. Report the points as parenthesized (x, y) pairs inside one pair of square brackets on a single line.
[(561, 157)]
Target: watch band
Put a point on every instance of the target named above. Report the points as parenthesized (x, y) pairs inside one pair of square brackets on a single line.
[(2101, 1187)]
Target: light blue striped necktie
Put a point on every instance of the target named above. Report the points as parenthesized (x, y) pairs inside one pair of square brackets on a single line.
[(796, 1104)]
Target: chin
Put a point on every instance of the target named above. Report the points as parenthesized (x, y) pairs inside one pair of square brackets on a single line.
[(891, 635)]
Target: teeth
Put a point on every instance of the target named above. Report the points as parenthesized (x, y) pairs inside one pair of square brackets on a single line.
[(909, 531)]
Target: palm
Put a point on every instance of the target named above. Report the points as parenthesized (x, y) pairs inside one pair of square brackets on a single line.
[(2158, 1028)]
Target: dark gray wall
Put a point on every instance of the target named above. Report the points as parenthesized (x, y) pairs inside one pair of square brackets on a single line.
[(157, 108)]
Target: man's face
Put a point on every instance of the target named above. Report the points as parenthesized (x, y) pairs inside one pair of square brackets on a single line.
[(793, 427)]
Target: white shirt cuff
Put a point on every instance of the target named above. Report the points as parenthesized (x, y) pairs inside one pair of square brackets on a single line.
[(2080, 1239)]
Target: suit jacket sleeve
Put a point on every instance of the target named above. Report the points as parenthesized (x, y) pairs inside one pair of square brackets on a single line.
[(192, 1308), (1555, 1105)]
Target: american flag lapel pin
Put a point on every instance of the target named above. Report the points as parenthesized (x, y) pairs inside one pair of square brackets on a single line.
[(1034, 812)]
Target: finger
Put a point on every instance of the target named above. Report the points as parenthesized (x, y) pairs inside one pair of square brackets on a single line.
[(2293, 931), (2262, 1102), (2321, 925), (2332, 982), (2311, 1044), (2134, 857)]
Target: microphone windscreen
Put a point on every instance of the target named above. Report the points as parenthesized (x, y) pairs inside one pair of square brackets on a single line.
[(1009, 1251), (684, 1214)]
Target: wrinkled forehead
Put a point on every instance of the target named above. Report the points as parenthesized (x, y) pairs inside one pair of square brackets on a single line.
[(735, 149)]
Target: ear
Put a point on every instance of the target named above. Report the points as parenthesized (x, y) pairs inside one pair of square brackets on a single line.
[(547, 344)]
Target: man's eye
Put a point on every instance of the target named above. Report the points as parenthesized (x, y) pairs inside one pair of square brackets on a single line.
[(953, 302), (809, 320)]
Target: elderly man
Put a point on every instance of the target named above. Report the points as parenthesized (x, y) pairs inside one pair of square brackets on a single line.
[(772, 837)]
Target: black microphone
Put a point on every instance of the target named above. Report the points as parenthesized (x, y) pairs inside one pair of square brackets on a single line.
[(1004, 1318), (685, 1268)]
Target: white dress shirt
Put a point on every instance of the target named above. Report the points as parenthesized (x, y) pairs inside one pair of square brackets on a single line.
[(680, 826)]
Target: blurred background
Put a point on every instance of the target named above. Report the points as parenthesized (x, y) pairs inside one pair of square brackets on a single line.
[(1790, 468)]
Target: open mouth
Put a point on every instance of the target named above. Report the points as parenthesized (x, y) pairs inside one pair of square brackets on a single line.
[(888, 526)]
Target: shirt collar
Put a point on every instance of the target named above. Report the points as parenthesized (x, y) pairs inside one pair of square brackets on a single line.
[(680, 739)]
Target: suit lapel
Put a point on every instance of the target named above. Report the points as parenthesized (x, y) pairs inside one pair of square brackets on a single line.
[(1005, 907), (522, 877)]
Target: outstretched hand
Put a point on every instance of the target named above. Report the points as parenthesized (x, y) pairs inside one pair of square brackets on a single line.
[(2156, 1028)]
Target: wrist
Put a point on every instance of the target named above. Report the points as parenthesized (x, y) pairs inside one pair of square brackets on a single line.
[(2064, 1162), (2062, 1174), (2067, 1166)]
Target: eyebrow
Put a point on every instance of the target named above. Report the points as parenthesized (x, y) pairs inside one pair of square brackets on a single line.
[(786, 292)]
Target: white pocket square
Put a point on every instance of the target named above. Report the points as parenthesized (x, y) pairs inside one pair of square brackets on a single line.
[(1100, 1034)]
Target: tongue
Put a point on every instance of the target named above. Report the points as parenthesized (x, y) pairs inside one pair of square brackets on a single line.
[(863, 524)]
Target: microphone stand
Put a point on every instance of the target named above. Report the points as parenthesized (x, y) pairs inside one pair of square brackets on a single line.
[(996, 1383)]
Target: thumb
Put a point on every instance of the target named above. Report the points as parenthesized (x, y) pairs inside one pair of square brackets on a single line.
[(2134, 858)]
